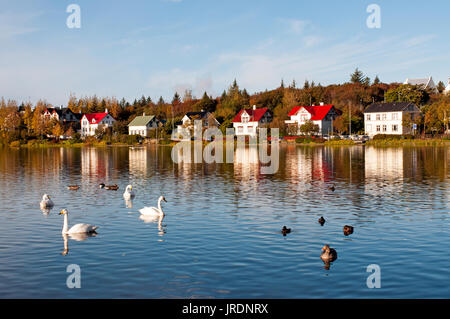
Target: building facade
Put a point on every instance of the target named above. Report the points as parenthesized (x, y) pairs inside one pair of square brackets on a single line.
[(141, 125), (248, 121), (91, 122), (387, 118), (320, 115)]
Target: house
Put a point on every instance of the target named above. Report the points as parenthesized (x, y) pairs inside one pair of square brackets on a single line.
[(141, 125), (247, 121), (65, 115), (387, 118), (187, 125), (447, 89), (91, 122), (321, 115), (425, 84), (48, 113)]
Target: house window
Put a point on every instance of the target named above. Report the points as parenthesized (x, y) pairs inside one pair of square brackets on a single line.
[(378, 117), (240, 129), (384, 128), (394, 116), (394, 128), (368, 117), (384, 116), (378, 128), (245, 119)]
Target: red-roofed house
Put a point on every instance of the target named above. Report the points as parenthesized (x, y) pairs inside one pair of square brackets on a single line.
[(247, 121), (91, 122), (321, 115)]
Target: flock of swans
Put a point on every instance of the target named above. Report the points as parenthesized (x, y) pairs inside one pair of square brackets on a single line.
[(82, 231), (152, 214)]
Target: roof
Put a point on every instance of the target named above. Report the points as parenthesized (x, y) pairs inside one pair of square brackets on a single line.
[(141, 120), (389, 107), (255, 115), (95, 116), (425, 82), (318, 112), (196, 115), (61, 111)]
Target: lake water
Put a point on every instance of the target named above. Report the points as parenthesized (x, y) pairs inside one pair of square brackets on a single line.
[(221, 235)]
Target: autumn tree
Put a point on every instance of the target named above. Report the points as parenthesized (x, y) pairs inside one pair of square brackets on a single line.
[(407, 93)]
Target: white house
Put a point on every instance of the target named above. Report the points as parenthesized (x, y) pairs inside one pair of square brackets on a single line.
[(386, 118), (247, 121), (188, 122), (447, 89), (321, 115), (141, 125), (91, 122), (426, 83)]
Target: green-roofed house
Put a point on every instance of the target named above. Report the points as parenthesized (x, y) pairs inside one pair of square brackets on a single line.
[(142, 124)]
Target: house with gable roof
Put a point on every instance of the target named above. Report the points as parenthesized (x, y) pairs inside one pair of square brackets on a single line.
[(387, 118), (248, 121), (321, 115), (141, 125), (91, 122)]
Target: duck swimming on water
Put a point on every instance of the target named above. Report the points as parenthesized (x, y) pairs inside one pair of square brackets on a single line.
[(112, 187), (73, 187), (321, 221), (348, 230), (328, 254), (285, 230)]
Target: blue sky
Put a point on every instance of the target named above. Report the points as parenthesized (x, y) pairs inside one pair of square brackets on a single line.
[(156, 47)]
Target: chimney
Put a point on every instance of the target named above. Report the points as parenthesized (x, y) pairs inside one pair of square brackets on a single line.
[(143, 114), (254, 107), (321, 103), (106, 110)]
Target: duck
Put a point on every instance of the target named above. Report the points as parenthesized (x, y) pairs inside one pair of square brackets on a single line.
[(101, 185), (285, 230), (112, 187), (331, 188), (153, 211), (321, 221), (128, 194), (76, 229), (348, 230), (328, 254), (73, 187), (46, 202)]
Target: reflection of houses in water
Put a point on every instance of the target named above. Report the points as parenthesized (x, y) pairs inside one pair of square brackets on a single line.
[(305, 164), (246, 162), (94, 163), (384, 170), (137, 159)]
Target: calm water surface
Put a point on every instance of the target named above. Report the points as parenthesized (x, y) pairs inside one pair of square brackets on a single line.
[(221, 234)]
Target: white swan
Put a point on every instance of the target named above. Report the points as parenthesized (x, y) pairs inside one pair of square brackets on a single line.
[(149, 211), (129, 194), (46, 202), (76, 229)]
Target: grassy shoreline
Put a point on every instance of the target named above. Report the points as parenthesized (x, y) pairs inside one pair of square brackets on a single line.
[(376, 142)]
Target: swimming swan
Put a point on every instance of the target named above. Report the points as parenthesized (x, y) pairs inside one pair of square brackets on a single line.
[(76, 229), (46, 202), (153, 210), (129, 194)]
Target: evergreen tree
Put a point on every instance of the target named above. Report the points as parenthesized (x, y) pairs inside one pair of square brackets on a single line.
[(306, 85), (357, 76), (377, 80), (176, 99), (441, 86)]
